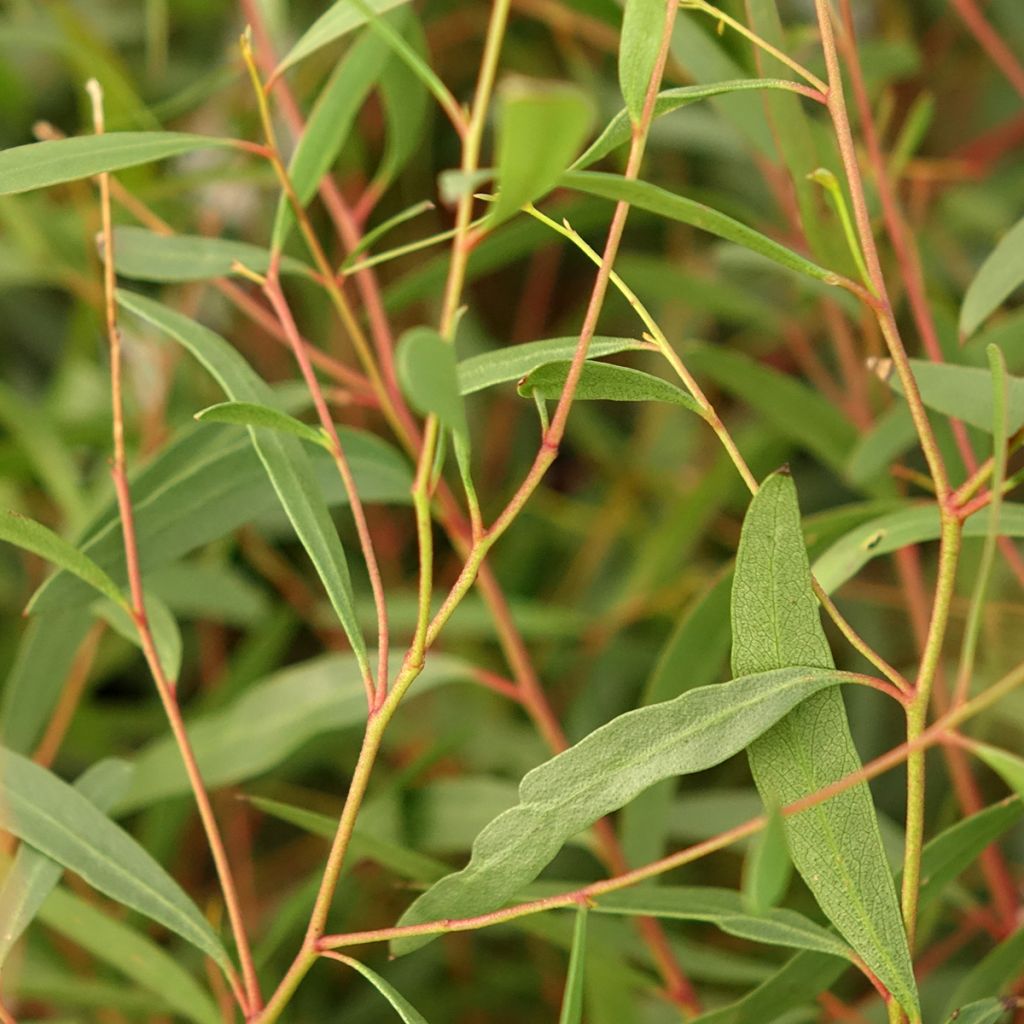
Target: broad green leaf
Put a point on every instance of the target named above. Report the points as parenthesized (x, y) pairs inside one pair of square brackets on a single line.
[(895, 530), (511, 363), (725, 909), (31, 536), (768, 867), (605, 381), (964, 392), (984, 1011), (40, 164), (338, 20), (643, 22), (603, 772), (429, 377), (645, 196), (270, 721), (572, 995), (249, 414), (405, 1010), (283, 457), (35, 682), (51, 816), (995, 972), (996, 280), (329, 124), (32, 875), (144, 255), (162, 624), (208, 482), (618, 129), (1009, 767), (836, 846), (540, 130)]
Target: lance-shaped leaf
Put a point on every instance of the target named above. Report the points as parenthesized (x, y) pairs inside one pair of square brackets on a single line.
[(984, 1011), (995, 972), (836, 845), (249, 414), (572, 996), (405, 1010), (541, 128), (51, 816), (603, 772), (768, 867), (605, 381), (642, 25), (162, 624), (50, 163), (1008, 766), (284, 458), (997, 278)]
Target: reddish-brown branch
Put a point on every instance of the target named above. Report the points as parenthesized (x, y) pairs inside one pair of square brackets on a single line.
[(991, 42)]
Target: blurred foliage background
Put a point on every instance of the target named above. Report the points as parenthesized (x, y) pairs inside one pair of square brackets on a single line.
[(626, 538)]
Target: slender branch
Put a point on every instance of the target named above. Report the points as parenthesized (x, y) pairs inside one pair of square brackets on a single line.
[(991, 42)]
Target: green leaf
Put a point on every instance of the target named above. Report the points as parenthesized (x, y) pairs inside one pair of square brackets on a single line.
[(338, 20), (329, 124), (1009, 767), (270, 721), (50, 815), (886, 440), (429, 377), (964, 392), (572, 996), (725, 909), (649, 197), (406, 110), (997, 278), (836, 846), (249, 414), (40, 164), (984, 1011), (144, 255), (605, 381), (618, 129), (31, 536), (164, 627), (995, 972), (643, 23), (511, 363), (540, 130), (202, 589), (283, 457), (405, 1010), (768, 867), (603, 772)]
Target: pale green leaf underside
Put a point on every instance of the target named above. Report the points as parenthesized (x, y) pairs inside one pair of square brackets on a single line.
[(603, 772)]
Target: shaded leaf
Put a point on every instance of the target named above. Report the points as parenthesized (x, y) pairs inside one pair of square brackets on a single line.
[(49, 163), (768, 867), (643, 22), (605, 381), (604, 771), (1009, 767), (405, 1010), (162, 624), (836, 846), (997, 278), (572, 996), (51, 816), (995, 972), (250, 414)]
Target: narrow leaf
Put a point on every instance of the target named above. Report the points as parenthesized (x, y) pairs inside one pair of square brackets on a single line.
[(836, 846), (649, 197), (995, 972), (429, 377), (40, 540), (603, 772), (642, 30), (164, 627), (984, 1011), (50, 815), (406, 1011), (997, 278), (572, 996), (768, 867), (250, 414), (283, 457), (1009, 767), (50, 163), (541, 128), (605, 381)]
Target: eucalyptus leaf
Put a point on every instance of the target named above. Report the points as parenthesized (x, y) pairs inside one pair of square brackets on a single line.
[(405, 1010), (251, 414), (572, 995), (984, 1011), (1010, 767), (429, 377), (642, 30), (997, 278)]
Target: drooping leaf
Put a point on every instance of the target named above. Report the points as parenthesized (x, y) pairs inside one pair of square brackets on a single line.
[(984, 1011), (607, 382), (997, 278), (405, 1010), (266, 724), (338, 20), (283, 457), (1009, 767), (645, 196), (540, 130), (602, 772), (40, 540), (836, 846), (51, 816), (642, 30), (768, 867), (572, 995), (40, 164), (249, 414), (429, 377), (329, 124), (144, 255), (511, 363), (963, 392)]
